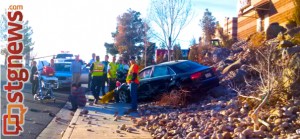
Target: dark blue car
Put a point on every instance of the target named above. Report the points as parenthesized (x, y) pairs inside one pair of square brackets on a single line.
[(172, 76)]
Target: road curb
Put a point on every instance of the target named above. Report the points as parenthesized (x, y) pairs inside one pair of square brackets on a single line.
[(55, 128), (68, 132)]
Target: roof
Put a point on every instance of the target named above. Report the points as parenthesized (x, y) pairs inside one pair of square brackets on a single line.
[(172, 62), (262, 3)]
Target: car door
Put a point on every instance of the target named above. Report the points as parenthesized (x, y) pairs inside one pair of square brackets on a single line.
[(144, 86), (84, 77), (160, 79)]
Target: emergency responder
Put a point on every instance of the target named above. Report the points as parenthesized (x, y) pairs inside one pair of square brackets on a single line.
[(97, 78), (105, 63), (112, 73), (90, 75), (133, 80)]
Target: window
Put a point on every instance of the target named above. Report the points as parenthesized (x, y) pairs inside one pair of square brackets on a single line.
[(160, 71), (145, 73), (185, 66), (71, 60), (63, 67)]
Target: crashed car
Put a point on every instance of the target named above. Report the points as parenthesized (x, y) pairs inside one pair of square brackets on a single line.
[(63, 73), (171, 76)]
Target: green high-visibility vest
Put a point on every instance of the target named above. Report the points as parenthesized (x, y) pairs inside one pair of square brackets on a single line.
[(113, 67), (98, 69)]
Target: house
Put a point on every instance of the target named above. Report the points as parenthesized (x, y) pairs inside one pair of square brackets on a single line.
[(230, 27), (256, 15), (163, 53)]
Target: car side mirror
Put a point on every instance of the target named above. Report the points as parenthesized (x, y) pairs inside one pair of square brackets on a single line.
[(172, 77)]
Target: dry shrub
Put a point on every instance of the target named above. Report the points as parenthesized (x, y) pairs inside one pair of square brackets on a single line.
[(291, 24), (205, 55), (257, 40), (297, 12), (176, 98), (296, 39)]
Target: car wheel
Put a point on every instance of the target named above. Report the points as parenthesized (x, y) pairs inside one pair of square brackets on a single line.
[(123, 96), (174, 90)]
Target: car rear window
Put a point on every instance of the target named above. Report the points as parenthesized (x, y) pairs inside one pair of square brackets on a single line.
[(63, 67), (184, 66)]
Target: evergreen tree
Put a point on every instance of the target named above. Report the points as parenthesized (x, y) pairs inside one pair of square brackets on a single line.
[(208, 24), (177, 52)]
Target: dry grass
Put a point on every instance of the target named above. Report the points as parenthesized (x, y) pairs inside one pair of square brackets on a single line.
[(296, 39), (176, 98), (257, 40)]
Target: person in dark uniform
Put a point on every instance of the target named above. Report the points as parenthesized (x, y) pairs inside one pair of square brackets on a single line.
[(90, 75), (97, 78), (34, 78), (105, 79)]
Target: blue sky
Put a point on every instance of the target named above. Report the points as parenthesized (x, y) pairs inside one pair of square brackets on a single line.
[(83, 26)]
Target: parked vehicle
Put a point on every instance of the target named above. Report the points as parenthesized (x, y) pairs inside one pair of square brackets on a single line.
[(68, 59), (63, 55), (84, 78), (63, 74), (171, 76), (47, 83)]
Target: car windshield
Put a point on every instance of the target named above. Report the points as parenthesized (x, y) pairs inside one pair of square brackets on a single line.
[(64, 55), (184, 66), (63, 67)]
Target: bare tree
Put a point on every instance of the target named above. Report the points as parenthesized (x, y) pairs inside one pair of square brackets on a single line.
[(170, 16), (268, 86)]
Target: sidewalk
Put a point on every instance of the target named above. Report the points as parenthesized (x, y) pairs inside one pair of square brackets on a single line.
[(100, 123)]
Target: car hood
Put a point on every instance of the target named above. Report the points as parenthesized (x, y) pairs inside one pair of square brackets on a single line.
[(63, 74)]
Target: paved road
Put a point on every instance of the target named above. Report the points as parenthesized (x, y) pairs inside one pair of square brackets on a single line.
[(37, 117)]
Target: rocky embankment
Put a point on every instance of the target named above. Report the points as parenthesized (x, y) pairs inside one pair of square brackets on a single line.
[(219, 118), (225, 112)]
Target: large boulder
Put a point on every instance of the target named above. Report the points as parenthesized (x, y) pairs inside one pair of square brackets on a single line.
[(223, 64), (237, 76), (218, 91), (291, 74), (290, 51), (273, 30), (285, 44), (220, 53), (236, 65), (293, 31)]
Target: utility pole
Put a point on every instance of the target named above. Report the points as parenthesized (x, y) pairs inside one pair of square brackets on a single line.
[(227, 25), (169, 49), (145, 43)]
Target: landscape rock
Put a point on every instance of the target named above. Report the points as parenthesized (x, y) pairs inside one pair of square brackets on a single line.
[(218, 91), (293, 31), (237, 76), (286, 44), (237, 64), (273, 30)]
